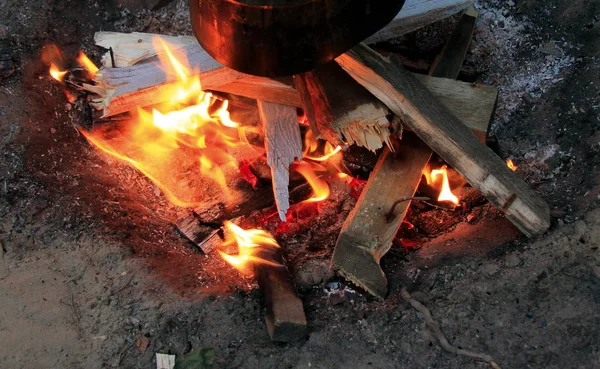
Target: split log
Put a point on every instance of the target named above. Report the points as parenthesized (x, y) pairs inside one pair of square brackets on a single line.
[(316, 106), (358, 116), (451, 140), (366, 235), (283, 144), (417, 14), (284, 314)]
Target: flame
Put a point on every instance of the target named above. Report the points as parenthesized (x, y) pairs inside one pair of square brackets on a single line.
[(56, 73), (311, 148), (445, 193), (183, 145), (319, 186), (87, 64), (251, 244), (511, 165)]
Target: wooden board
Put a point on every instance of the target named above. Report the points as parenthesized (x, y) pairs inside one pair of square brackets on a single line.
[(283, 144), (316, 106), (450, 139), (284, 316), (417, 14), (366, 235), (449, 63)]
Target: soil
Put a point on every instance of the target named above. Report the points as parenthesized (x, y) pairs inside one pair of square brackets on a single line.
[(93, 274)]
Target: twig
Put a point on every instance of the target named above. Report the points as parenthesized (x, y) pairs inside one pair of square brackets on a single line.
[(390, 214), (434, 327)]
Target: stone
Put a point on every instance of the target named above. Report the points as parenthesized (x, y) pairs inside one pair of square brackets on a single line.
[(490, 269), (512, 260)]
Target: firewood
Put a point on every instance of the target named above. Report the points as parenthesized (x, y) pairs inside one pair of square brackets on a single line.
[(316, 106), (131, 48), (284, 315), (366, 235), (450, 61), (203, 227), (362, 244), (417, 14), (283, 144), (444, 133), (359, 117)]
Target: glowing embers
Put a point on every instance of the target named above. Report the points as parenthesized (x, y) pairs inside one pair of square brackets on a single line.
[(438, 178), (185, 145), (254, 246)]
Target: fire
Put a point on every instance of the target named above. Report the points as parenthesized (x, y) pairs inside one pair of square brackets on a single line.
[(184, 145), (87, 64), (511, 165), (445, 192), (253, 246), (319, 186), (56, 73)]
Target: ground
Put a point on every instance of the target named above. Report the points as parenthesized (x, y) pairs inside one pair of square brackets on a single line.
[(93, 275)]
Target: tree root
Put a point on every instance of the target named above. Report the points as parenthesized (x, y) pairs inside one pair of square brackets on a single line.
[(434, 327)]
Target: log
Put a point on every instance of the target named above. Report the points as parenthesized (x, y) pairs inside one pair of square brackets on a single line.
[(417, 14), (449, 63), (451, 140), (284, 314), (202, 226), (283, 144), (366, 235), (316, 106)]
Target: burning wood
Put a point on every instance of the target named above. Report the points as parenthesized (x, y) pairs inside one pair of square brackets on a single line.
[(259, 255), (284, 145), (442, 131)]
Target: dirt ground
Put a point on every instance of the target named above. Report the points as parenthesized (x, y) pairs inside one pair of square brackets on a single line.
[(93, 275)]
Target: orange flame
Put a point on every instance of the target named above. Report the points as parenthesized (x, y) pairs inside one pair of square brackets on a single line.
[(511, 165), (251, 244), (311, 148), (56, 73), (183, 145), (445, 193), (87, 64), (319, 186)]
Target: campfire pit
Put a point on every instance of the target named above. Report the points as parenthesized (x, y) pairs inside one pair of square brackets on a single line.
[(216, 156)]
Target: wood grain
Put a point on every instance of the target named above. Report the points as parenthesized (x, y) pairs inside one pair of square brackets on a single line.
[(283, 144), (366, 235), (316, 106)]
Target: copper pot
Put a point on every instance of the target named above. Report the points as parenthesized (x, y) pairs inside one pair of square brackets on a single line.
[(284, 37)]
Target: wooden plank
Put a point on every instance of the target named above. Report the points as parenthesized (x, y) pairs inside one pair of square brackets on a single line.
[(472, 104), (284, 314), (316, 106), (449, 63), (417, 14), (366, 235), (283, 144), (450, 139), (131, 48)]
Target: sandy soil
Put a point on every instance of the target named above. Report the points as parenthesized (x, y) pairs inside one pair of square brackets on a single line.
[(93, 275)]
